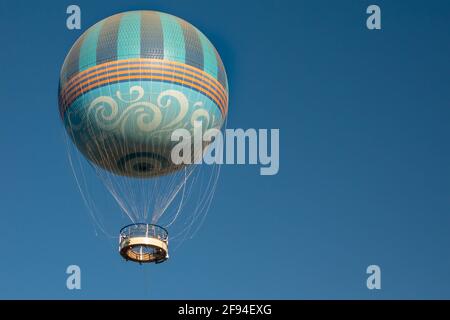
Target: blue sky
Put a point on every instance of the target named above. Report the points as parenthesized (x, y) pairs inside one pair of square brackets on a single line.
[(364, 156)]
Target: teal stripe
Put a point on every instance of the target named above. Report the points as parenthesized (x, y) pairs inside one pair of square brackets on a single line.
[(72, 60), (174, 47), (209, 56), (88, 51), (129, 37), (221, 75), (152, 42)]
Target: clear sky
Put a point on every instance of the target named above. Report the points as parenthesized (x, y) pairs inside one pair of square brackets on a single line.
[(364, 156)]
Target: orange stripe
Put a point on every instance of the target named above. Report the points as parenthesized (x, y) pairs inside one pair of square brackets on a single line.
[(138, 60), (68, 96), (97, 84), (73, 82), (137, 72)]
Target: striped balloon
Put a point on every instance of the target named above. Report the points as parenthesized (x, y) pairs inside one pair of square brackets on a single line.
[(130, 80)]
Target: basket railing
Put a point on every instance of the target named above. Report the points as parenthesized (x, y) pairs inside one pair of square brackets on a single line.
[(144, 230)]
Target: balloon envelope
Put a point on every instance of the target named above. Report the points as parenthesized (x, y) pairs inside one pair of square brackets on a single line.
[(132, 79)]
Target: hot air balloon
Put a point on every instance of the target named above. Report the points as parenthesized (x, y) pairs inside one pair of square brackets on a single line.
[(126, 85)]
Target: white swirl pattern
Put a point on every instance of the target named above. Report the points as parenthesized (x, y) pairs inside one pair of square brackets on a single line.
[(137, 89), (182, 100), (148, 116)]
